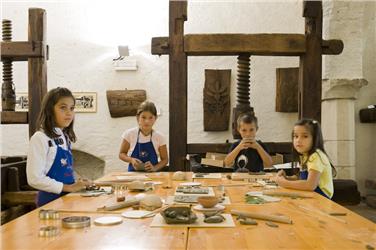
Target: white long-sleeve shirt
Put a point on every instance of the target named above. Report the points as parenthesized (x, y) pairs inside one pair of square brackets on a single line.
[(40, 159)]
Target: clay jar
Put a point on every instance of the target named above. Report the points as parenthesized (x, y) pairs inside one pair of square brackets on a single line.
[(207, 201)]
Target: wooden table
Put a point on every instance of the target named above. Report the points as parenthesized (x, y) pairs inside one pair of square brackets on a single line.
[(310, 229)]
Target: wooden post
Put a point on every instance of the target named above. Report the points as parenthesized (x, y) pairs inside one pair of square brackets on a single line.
[(310, 74), (37, 67), (178, 85)]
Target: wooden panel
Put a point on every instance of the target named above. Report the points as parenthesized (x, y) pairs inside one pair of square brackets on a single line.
[(124, 102), (160, 46), (178, 85), (202, 148), (12, 117), (287, 90), (21, 51), (255, 44), (310, 75), (217, 99)]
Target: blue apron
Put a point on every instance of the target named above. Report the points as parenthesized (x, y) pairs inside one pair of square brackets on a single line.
[(61, 171), (304, 176), (144, 152)]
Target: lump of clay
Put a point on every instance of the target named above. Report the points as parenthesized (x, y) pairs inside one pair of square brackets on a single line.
[(151, 202), (179, 215), (214, 217), (179, 176), (136, 186)]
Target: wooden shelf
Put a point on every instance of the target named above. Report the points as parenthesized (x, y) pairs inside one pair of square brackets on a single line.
[(13, 117)]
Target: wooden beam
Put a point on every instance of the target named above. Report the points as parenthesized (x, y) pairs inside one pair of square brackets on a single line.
[(21, 51), (19, 198), (37, 67), (160, 45), (309, 89), (331, 47), (202, 148), (235, 44), (12, 117), (178, 85)]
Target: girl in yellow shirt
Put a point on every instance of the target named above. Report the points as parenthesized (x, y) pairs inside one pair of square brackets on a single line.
[(316, 169)]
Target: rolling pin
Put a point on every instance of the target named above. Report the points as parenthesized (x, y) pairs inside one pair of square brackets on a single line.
[(120, 205), (275, 218)]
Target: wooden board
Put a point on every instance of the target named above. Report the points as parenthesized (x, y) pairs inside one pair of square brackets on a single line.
[(159, 221), (216, 100), (124, 102)]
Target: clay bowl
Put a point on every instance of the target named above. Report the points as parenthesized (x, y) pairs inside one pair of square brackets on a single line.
[(207, 201)]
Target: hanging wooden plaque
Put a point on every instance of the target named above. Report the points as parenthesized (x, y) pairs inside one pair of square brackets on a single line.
[(124, 102), (217, 99)]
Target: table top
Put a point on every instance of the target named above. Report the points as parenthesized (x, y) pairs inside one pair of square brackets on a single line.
[(312, 226)]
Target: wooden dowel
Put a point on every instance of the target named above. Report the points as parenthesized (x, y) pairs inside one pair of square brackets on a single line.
[(275, 218), (87, 211), (119, 206)]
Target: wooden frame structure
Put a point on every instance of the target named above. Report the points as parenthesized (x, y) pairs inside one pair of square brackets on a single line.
[(35, 51), (309, 47)]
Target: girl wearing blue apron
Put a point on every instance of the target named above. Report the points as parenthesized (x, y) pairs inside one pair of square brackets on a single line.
[(145, 152), (61, 171), (47, 169), (144, 156)]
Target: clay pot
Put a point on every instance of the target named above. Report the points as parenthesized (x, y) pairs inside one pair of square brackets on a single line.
[(207, 201)]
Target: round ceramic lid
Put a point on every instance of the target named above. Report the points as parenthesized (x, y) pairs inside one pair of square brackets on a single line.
[(217, 207), (108, 220)]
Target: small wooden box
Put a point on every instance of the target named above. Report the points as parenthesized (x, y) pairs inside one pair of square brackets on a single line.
[(214, 159), (277, 159)]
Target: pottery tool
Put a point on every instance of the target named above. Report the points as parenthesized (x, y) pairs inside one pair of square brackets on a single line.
[(321, 213), (75, 222), (108, 220), (274, 218), (337, 214), (287, 194), (49, 231)]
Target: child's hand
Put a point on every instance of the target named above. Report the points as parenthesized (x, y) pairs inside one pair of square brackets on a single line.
[(278, 179), (149, 167), (136, 162), (281, 173), (248, 143), (77, 186)]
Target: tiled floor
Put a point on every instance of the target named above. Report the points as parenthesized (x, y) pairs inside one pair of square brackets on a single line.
[(364, 210)]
